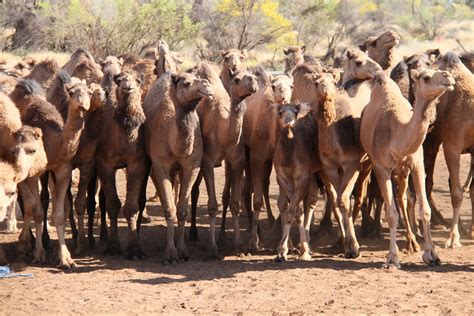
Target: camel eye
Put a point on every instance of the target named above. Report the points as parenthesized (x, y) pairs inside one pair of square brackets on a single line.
[(358, 63), (10, 194), (226, 59), (30, 151), (426, 78), (291, 86)]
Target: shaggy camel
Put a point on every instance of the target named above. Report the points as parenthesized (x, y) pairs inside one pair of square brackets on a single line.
[(61, 141), (455, 129), (392, 134), (174, 144), (294, 57), (221, 128), (296, 161), (123, 123), (260, 134)]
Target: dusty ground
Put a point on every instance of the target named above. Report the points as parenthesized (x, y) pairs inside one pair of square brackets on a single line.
[(254, 284)]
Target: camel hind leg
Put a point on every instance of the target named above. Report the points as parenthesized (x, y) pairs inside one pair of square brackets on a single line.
[(402, 182), (453, 162), (193, 232)]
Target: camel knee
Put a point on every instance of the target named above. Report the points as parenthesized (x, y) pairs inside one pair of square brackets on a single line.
[(392, 218), (170, 214), (456, 198), (38, 215), (212, 208), (58, 217), (425, 213)]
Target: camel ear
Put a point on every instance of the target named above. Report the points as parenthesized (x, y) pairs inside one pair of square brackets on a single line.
[(433, 53), (223, 53), (349, 53), (415, 74), (174, 79), (303, 48), (285, 51), (302, 109)]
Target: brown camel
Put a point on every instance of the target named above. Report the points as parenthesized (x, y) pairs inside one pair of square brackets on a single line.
[(174, 144), (83, 66), (392, 134), (296, 161), (260, 131), (122, 145), (61, 141), (455, 129), (221, 128)]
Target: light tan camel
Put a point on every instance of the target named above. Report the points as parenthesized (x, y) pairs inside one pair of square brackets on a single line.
[(61, 141), (294, 55), (380, 49), (392, 134), (122, 145), (174, 144), (232, 59)]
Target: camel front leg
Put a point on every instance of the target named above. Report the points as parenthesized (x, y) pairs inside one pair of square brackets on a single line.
[(193, 232), (135, 181), (188, 177), (162, 180), (453, 162), (402, 182), (237, 169), (285, 192), (207, 170), (106, 175), (86, 171), (11, 222), (257, 169), (430, 257), (63, 179), (385, 184), (311, 201)]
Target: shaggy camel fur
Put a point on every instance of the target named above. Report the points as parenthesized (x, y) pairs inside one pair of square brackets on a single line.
[(380, 49), (174, 144), (221, 128), (123, 124), (455, 129), (260, 134), (392, 134), (294, 57), (296, 161), (232, 59), (61, 141), (83, 66)]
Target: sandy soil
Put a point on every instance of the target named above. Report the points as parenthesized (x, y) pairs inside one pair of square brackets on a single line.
[(252, 284)]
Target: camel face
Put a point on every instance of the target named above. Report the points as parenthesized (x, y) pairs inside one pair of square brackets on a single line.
[(28, 150), (112, 65), (244, 83), (431, 84), (288, 114), (233, 58), (98, 97), (189, 88), (128, 83), (9, 178), (359, 65), (294, 56), (80, 95), (376, 46), (325, 85), (282, 87)]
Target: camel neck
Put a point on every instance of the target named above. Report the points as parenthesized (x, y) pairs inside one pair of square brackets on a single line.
[(186, 125), (71, 134)]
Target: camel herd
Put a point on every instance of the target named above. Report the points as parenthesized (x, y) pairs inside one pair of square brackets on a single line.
[(362, 129)]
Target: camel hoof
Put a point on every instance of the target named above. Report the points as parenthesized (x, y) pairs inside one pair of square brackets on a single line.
[(113, 248), (252, 245), (66, 263), (305, 257), (39, 257), (193, 234), (167, 262), (392, 266), (281, 258), (146, 219), (453, 242), (212, 253), (183, 254), (431, 259), (135, 253), (412, 246)]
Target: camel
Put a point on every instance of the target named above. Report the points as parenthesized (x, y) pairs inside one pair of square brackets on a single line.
[(61, 141), (454, 128), (380, 49), (221, 127), (392, 134), (294, 57), (296, 161), (122, 145), (174, 144), (260, 134), (83, 66), (231, 60)]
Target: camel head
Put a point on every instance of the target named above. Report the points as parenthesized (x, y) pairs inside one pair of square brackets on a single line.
[(417, 61), (79, 95), (189, 89), (98, 97), (243, 83), (380, 48), (112, 65), (9, 178), (288, 114), (431, 84), (28, 150), (357, 65), (128, 84), (165, 61), (294, 56), (282, 87), (233, 58)]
